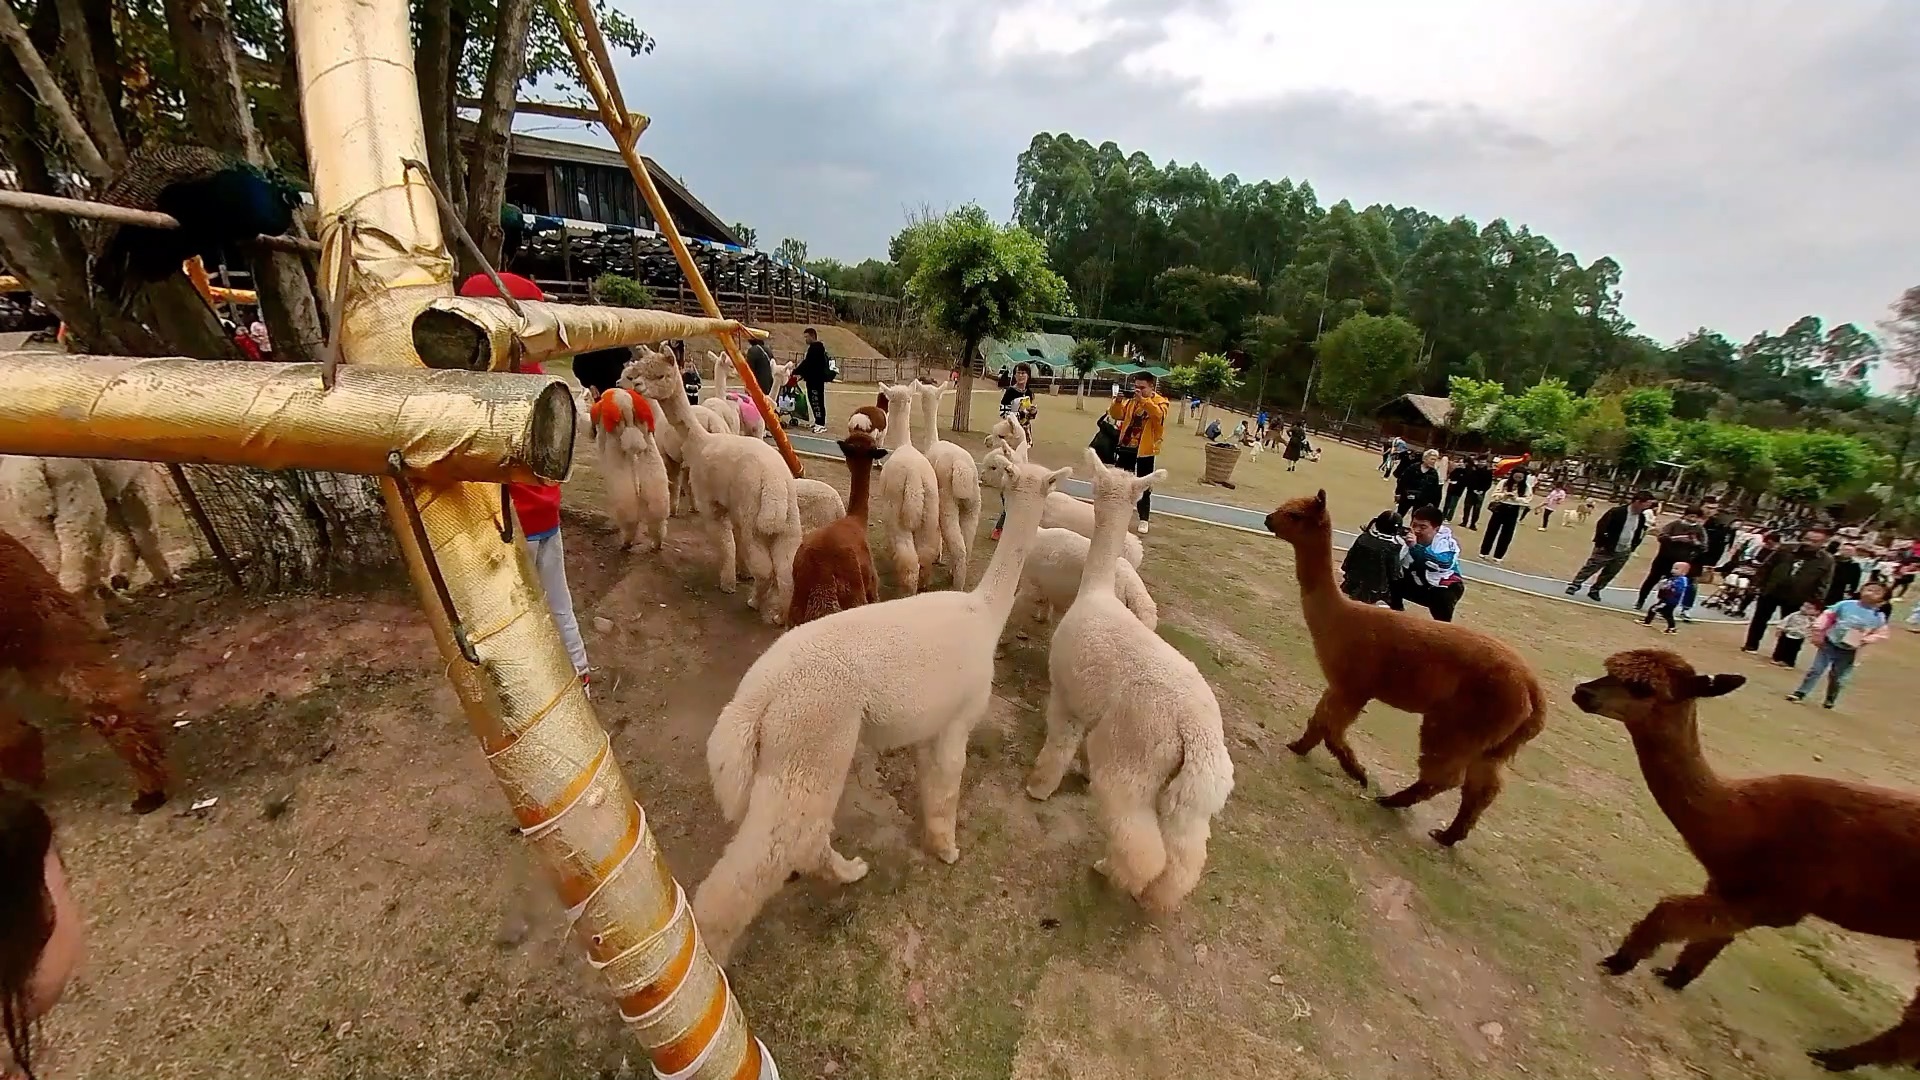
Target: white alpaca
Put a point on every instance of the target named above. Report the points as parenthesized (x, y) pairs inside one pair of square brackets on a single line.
[(1009, 435), (671, 444), (740, 485), (820, 504), (1063, 511), (955, 474), (1157, 761), (1052, 578), (907, 499), (917, 671), (735, 408), (635, 473), (69, 511)]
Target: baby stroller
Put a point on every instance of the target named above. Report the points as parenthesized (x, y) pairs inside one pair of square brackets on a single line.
[(1736, 592)]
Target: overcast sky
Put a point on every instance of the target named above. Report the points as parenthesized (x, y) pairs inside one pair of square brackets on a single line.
[(1744, 161)]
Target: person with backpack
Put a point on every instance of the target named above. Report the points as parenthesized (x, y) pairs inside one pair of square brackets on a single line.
[(1376, 562), (816, 371), (1433, 580)]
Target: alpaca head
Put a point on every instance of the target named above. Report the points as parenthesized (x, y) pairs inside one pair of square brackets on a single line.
[(1642, 686), (1007, 432), (858, 445), (996, 469), (1117, 490), (1300, 519), (896, 395), (720, 364), (927, 395), (1031, 484), (653, 373)]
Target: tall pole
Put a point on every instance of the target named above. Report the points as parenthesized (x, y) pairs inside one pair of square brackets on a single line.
[(590, 56), (1325, 284), (546, 748)]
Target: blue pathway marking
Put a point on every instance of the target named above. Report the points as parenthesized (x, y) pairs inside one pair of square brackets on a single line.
[(1615, 597)]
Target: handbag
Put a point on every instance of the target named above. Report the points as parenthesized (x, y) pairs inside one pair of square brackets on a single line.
[(1106, 440)]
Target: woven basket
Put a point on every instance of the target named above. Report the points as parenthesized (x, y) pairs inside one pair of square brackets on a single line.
[(1220, 463)]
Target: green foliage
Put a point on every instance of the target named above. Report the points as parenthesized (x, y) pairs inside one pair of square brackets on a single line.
[(1209, 376), (619, 291), (1647, 407), (1833, 466), (792, 252), (1474, 401), (1643, 447), (976, 279), (1601, 431), (1728, 453), (1366, 360), (1214, 307), (748, 235), (867, 276), (1178, 384), (1086, 355)]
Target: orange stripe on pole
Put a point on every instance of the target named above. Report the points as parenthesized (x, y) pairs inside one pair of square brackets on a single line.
[(683, 1051), (655, 994)]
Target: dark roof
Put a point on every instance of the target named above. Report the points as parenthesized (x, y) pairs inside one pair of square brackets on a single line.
[(706, 223)]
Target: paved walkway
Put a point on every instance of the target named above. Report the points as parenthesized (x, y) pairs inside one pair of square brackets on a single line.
[(1254, 521)]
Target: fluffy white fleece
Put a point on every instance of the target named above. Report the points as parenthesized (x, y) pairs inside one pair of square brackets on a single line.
[(955, 474), (1008, 435), (741, 486), (1063, 511), (739, 420), (1157, 759), (780, 751), (820, 504), (671, 443), (906, 501), (75, 515), (1052, 578), (635, 475)]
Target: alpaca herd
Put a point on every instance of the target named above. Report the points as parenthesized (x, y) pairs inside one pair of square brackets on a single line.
[(853, 671)]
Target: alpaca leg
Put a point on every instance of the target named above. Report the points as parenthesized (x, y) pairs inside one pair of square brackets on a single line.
[(1898, 1045), (744, 550), (23, 754), (114, 705), (1064, 733), (1677, 918), (1417, 792), (871, 578), (940, 762), (722, 529), (953, 542), (657, 534), (773, 842), (1334, 714), (837, 869), (1482, 784), (781, 550), (906, 561), (1693, 960), (1136, 852), (138, 519), (1186, 842)]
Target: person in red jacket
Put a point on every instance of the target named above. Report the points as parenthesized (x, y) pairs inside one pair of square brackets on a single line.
[(538, 505)]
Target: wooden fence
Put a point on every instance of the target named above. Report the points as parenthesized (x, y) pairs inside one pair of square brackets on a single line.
[(750, 308)]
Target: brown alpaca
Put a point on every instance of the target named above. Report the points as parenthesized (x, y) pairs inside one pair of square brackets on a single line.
[(1478, 700), (833, 570), (46, 637), (1776, 849)]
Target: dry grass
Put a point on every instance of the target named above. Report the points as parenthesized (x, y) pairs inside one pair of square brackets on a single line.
[(387, 924)]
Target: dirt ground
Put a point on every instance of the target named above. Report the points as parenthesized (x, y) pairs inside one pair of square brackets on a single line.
[(356, 904)]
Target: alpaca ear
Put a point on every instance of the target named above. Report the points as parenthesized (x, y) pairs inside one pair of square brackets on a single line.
[(1320, 499), (1721, 685), (877, 453), (884, 388), (1094, 464), (1057, 475)]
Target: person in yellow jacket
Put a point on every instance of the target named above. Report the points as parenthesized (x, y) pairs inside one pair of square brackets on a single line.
[(1141, 418)]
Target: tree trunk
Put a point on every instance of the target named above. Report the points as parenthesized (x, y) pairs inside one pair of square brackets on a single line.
[(209, 63), (963, 397), (82, 59), (487, 165), (1080, 398), (433, 76)]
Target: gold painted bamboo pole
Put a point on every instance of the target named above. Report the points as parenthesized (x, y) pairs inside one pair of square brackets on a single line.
[(543, 742), (447, 426), (480, 333), (600, 81)]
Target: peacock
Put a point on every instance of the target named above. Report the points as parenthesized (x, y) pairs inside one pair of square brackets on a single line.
[(220, 200)]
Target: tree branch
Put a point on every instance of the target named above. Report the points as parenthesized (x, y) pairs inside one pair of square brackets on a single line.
[(542, 108), (52, 98), (77, 43)]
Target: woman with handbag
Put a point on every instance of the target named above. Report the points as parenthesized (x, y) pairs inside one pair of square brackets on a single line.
[(1507, 507), (1841, 632)]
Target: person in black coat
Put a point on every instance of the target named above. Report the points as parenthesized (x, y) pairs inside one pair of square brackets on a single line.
[(1456, 486), (814, 370), (760, 362), (1479, 481), (1615, 535), (1684, 541), (599, 371), (1417, 482), (1296, 445), (1847, 574), (1376, 560)]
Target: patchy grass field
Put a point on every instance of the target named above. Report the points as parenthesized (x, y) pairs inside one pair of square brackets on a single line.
[(356, 904)]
